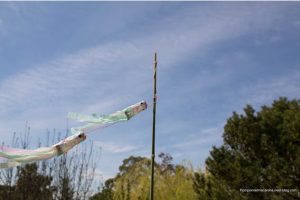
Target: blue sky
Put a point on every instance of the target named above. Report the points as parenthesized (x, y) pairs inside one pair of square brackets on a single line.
[(213, 58)]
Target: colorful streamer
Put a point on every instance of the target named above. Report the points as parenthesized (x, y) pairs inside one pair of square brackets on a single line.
[(20, 156), (17, 157), (100, 121)]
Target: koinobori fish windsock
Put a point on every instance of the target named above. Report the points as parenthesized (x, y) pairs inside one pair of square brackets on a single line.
[(21, 156), (15, 157), (99, 121)]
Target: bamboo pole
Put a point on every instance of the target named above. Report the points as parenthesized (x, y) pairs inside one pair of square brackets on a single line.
[(153, 131)]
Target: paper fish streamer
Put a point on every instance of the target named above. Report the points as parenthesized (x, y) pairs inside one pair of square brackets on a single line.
[(21, 156), (17, 157), (100, 121)]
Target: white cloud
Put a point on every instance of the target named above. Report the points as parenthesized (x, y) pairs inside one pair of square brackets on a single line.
[(102, 176), (44, 94), (265, 90), (100, 78), (120, 61), (203, 137), (115, 148)]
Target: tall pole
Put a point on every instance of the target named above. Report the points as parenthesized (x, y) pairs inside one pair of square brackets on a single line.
[(153, 131)]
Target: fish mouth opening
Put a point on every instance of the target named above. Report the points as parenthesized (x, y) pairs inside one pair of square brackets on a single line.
[(144, 105), (82, 136)]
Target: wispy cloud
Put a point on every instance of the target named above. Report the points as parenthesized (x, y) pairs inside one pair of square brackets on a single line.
[(265, 90), (77, 73), (115, 148), (202, 137), (100, 175), (110, 75)]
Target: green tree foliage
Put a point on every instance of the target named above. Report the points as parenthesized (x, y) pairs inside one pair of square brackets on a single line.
[(260, 151), (106, 191), (207, 187), (133, 181), (6, 192), (31, 185), (66, 191)]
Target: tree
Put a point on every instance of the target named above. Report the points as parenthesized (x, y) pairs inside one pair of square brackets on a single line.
[(260, 151), (207, 187), (31, 185), (133, 181), (106, 191), (67, 192)]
